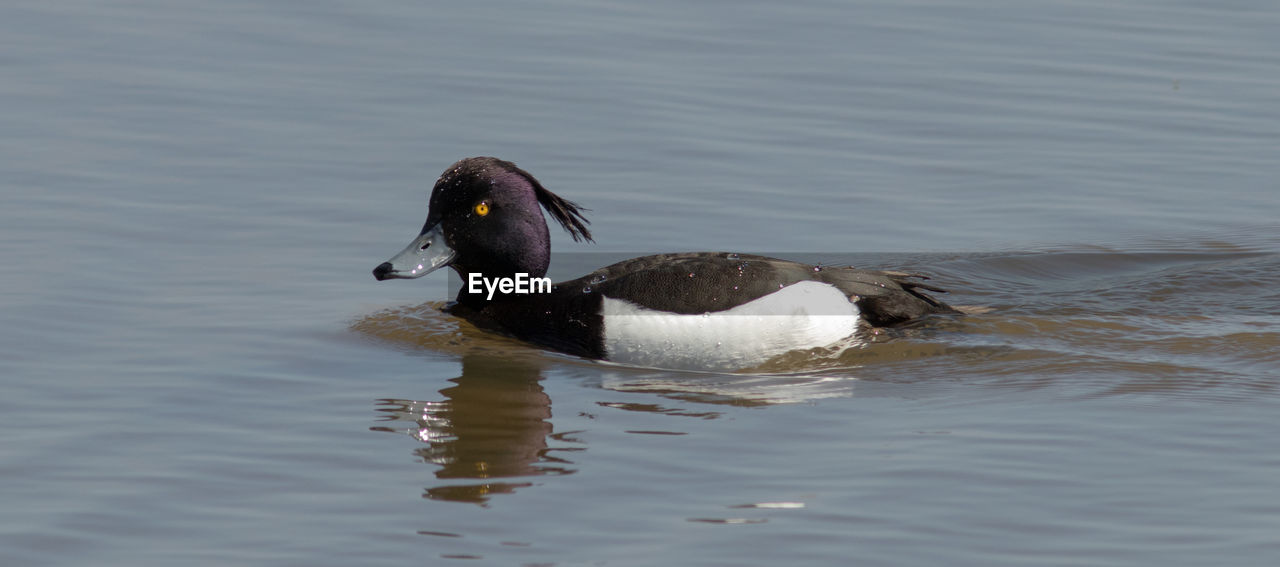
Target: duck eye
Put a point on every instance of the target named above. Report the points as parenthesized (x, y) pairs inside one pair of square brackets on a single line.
[(481, 208)]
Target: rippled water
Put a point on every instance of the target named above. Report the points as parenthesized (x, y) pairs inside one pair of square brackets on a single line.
[(198, 369), (1099, 403), (1165, 320)]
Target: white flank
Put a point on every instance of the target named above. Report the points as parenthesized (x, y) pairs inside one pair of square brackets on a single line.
[(800, 316)]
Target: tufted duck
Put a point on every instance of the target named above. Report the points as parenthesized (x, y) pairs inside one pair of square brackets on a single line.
[(705, 310)]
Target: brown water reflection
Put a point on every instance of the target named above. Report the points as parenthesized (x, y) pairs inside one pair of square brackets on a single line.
[(491, 424)]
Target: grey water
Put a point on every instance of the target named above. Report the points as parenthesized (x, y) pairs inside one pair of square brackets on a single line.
[(197, 368)]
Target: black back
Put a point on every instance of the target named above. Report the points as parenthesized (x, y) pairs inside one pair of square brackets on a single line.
[(700, 282)]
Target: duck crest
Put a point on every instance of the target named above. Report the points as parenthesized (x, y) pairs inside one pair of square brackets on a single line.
[(566, 212)]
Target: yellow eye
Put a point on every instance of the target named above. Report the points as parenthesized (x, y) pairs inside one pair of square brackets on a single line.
[(481, 208)]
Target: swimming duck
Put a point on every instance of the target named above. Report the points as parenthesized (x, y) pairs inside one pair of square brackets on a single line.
[(701, 311)]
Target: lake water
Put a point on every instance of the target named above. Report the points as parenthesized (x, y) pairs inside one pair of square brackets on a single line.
[(197, 368)]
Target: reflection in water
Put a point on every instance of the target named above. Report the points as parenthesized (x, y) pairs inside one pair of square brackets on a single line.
[(491, 425), (743, 390), (800, 376)]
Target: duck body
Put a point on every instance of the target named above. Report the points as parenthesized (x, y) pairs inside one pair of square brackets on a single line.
[(699, 310)]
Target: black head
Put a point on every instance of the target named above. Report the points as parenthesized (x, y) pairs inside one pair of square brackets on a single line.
[(484, 217)]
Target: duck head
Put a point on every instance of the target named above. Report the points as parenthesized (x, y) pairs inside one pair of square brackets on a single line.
[(484, 216)]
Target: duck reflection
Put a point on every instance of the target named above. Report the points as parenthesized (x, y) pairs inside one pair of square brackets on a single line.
[(492, 424)]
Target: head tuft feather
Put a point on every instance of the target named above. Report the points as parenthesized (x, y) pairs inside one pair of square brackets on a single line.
[(566, 212)]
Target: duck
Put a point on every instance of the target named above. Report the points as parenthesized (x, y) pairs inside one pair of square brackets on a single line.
[(682, 311)]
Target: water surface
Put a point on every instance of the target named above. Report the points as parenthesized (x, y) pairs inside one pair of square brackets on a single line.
[(198, 368)]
